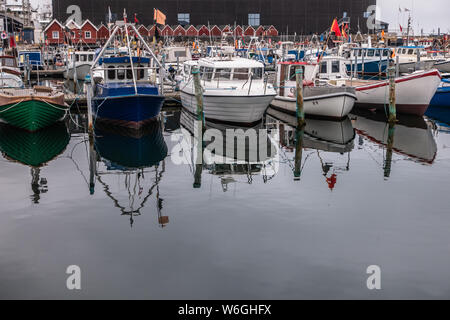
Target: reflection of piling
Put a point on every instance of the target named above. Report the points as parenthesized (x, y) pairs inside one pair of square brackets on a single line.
[(92, 165), (198, 94), (392, 102), (198, 145), (299, 131), (299, 86), (389, 151)]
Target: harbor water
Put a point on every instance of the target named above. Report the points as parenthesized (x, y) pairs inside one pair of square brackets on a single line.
[(304, 222)]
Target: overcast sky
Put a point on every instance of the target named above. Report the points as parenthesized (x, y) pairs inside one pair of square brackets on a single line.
[(426, 14)]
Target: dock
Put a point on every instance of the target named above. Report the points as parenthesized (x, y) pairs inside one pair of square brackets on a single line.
[(47, 73)]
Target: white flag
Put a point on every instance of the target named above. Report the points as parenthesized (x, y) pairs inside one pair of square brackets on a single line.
[(109, 15)]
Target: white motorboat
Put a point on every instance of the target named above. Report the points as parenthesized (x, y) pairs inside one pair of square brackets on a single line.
[(79, 64), (234, 89), (323, 101), (443, 66), (413, 58), (10, 75)]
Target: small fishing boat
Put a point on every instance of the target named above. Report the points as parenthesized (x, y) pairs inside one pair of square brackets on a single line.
[(79, 65), (321, 101), (125, 96), (235, 89), (32, 109), (413, 58), (442, 96), (10, 75), (443, 66)]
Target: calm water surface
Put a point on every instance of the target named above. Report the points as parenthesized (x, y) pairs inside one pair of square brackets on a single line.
[(367, 195)]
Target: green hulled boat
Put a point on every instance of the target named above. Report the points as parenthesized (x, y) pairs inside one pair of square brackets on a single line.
[(33, 149), (32, 109)]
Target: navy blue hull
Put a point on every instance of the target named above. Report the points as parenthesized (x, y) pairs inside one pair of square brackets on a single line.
[(441, 98), (370, 67), (131, 110)]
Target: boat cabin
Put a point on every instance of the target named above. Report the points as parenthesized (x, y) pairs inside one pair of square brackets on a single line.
[(83, 56), (178, 54), (237, 69), (371, 53), (8, 62), (410, 51), (34, 58), (332, 68), (118, 69), (286, 76)]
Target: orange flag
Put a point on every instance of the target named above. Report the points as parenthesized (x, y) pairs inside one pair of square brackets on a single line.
[(335, 28), (159, 17)]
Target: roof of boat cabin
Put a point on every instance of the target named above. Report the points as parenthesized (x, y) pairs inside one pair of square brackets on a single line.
[(229, 63), (126, 59)]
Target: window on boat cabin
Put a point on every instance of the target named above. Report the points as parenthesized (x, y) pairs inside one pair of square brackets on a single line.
[(91, 57), (360, 53), (335, 67), (121, 73), (377, 53), (385, 53), (55, 35), (180, 54), (240, 74), (77, 57), (129, 72), (87, 34), (323, 67), (404, 51), (208, 73), (83, 58), (187, 69), (202, 72), (8, 63), (370, 53), (292, 71), (410, 51), (257, 73), (223, 74), (111, 73)]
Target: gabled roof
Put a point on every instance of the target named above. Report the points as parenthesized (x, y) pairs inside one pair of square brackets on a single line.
[(191, 26), (88, 21), (52, 22), (102, 26), (71, 21)]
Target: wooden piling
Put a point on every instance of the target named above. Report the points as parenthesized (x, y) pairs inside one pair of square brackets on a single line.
[(392, 100), (299, 86)]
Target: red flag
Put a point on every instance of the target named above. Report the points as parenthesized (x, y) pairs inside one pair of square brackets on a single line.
[(401, 29), (12, 42), (335, 28), (135, 19)]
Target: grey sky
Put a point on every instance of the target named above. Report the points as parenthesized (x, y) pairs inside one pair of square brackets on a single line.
[(429, 14)]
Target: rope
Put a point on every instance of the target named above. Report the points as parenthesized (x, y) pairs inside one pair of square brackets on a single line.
[(9, 108)]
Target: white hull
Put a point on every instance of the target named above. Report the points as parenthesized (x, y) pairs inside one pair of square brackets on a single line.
[(82, 72), (236, 109), (443, 67), (413, 93), (8, 80), (408, 67), (336, 105)]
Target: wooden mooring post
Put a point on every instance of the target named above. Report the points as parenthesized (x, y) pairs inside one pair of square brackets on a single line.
[(199, 128), (392, 99), (299, 86)]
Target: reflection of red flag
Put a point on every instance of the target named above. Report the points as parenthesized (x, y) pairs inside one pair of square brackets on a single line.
[(335, 28), (331, 181)]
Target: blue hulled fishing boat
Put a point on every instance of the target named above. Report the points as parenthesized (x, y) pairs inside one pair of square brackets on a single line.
[(123, 100), (123, 93), (369, 61), (442, 96)]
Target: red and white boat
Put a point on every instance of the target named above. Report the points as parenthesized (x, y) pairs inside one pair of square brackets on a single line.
[(413, 92)]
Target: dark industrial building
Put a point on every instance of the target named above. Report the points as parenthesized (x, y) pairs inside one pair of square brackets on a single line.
[(288, 16)]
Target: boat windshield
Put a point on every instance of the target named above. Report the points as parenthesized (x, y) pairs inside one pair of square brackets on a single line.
[(240, 74), (257, 73), (222, 74), (8, 62)]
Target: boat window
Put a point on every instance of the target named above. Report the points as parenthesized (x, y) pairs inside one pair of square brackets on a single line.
[(187, 69), (323, 67), (377, 53), (83, 58), (121, 73), (208, 73), (292, 72), (385, 53), (202, 71), (240, 74), (410, 51), (359, 53), (370, 53), (141, 73), (111, 73), (8, 63), (180, 54), (223, 74), (257, 73), (335, 67), (129, 72), (91, 57), (77, 58)]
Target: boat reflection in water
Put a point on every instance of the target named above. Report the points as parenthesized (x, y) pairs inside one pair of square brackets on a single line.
[(239, 154), (411, 136), (130, 167), (325, 138), (34, 149)]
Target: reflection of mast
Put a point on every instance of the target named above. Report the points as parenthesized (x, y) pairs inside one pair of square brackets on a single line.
[(299, 132), (38, 185), (389, 151), (92, 165), (163, 220)]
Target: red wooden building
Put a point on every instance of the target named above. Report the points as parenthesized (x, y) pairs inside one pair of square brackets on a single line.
[(143, 31), (88, 32), (167, 31), (238, 31), (249, 31), (179, 31), (192, 31), (102, 33), (216, 31), (203, 31), (54, 33)]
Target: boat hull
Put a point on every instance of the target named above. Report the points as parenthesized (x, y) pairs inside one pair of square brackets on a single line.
[(32, 114), (334, 105), (408, 67), (131, 111), (82, 71), (413, 93), (441, 98), (233, 109), (443, 66)]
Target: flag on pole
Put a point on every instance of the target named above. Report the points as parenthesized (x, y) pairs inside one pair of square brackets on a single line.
[(109, 15), (159, 17), (125, 16), (135, 19), (344, 31), (335, 28), (401, 29)]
